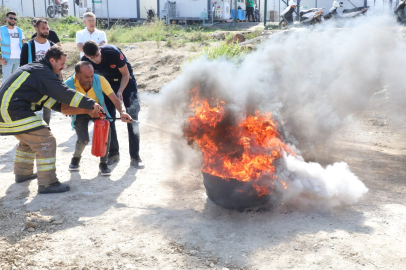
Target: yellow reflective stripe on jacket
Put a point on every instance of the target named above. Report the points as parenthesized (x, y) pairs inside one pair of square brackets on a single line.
[(23, 160), (9, 93), (46, 161), (11, 129), (50, 102), (76, 99), (30, 155), (39, 102), (21, 122), (41, 168), (42, 99)]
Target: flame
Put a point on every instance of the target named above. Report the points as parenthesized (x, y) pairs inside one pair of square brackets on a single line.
[(243, 149)]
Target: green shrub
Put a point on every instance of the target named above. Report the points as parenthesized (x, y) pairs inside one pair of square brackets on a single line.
[(70, 19)]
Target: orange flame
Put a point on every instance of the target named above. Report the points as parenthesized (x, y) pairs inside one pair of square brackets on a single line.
[(244, 150)]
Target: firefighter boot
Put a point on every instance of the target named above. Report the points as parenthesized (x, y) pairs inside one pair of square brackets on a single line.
[(56, 187), (74, 164), (22, 178)]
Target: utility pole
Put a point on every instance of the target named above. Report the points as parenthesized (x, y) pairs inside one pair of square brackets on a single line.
[(33, 6), (298, 10), (235, 15)]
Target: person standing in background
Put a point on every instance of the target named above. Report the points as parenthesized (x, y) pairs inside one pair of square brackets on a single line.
[(52, 36), (89, 33), (34, 50), (250, 10), (12, 39)]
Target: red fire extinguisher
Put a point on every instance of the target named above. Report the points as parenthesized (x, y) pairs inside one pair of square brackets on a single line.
[(100, 137)]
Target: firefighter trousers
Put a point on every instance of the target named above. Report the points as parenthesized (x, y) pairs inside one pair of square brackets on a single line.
[(39, 145)]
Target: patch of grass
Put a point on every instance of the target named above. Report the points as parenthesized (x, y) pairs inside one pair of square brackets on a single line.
[(169, 43), (228, 38), (120, 33), (158, 41), (70, 19), (252, 35), (158, 30), (73, 59), (228, 51)]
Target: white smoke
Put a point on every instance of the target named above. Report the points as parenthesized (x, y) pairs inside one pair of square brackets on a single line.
[(311, 185), (313, 80)]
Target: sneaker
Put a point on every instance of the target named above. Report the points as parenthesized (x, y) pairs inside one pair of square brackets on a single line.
[(104, 169), (113, 159), (56, 187), (22, 178), (137, 163), (74, 164)]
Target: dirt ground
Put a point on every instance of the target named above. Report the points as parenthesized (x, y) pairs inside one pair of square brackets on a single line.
[(161, 218)]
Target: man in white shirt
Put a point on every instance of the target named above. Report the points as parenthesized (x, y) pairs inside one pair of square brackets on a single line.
[(89, 33), (12, 39)]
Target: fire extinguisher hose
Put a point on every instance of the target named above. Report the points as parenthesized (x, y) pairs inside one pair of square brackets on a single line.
[(151, 126)]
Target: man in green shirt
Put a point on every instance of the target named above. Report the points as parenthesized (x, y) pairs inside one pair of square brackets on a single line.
[(249, 10)]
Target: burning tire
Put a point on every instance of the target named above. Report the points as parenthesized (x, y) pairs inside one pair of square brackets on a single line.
[(231, 193)]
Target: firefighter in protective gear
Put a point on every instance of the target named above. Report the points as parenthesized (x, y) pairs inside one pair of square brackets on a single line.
[(27, 90)]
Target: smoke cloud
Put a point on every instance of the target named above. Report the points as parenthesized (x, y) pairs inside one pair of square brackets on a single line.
[(311, 79), (310, 185)]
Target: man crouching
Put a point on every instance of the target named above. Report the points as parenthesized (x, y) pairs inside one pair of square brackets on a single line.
[(93, 86), (27, 90)]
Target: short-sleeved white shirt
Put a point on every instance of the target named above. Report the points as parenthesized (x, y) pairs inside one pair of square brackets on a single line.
[(84, 35), (41, 50)]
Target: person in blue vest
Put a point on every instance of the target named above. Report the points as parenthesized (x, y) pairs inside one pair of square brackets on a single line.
[(109, 61), (12, 39), (92, 86)]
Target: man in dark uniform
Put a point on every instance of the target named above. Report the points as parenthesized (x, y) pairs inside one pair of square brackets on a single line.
[(110, 62)]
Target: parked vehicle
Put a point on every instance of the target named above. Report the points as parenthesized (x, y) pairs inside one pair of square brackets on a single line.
[(306, 17), (347, 13), (256, 13), (58, 7), (400, 12)]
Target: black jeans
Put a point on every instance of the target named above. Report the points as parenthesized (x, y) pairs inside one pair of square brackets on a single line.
[(250, 11), (132, 106), (82, 132)]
